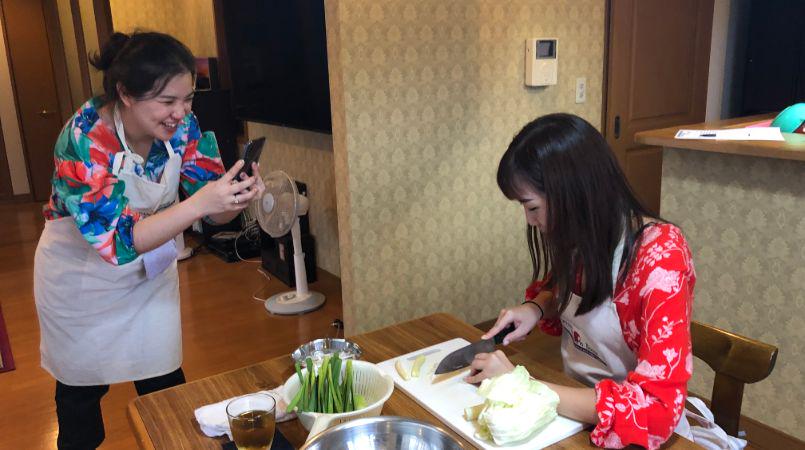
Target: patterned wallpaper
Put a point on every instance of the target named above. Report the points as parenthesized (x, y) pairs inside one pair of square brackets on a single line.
[(432, 94), (745, 222), (307, 157), (190, 21)]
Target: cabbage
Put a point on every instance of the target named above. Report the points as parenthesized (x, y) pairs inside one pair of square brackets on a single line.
[(515, 407)]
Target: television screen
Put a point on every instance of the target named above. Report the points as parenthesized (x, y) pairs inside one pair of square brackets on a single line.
[(277, 52)]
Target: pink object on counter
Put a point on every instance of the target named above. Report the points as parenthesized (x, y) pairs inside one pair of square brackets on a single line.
[(765, 123)]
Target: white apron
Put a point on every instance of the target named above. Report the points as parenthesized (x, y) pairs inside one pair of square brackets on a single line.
[(593, 347), (101, 323)]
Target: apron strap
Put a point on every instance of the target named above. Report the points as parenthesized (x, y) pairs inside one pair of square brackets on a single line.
[(169, 148), (119, 130), (616, 262), (118, 162)]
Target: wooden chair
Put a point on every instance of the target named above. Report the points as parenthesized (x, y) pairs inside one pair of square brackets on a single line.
[(737, 360)]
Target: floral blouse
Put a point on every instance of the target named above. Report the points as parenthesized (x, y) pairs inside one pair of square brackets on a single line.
[(654, 309), (85, 189)]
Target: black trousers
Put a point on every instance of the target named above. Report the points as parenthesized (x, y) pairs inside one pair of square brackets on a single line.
[(78, 409)]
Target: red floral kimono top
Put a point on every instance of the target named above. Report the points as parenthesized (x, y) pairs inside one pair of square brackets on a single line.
[(654, 307)]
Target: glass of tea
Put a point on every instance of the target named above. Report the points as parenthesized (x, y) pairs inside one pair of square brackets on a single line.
[(252, 421)]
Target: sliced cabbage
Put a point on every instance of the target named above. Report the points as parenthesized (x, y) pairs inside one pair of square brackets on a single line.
[(515, 407)]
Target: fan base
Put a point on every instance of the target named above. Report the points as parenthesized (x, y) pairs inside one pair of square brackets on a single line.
[(184, 253), (290, 303)]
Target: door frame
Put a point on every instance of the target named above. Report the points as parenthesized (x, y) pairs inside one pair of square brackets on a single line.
[(81, 47), (605, 77), (103, 20), (16, 108), (50, 14), (59, 66), (6, 190), (50, 10)]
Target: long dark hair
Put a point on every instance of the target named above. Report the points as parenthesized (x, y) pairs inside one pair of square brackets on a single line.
[(142, 63), (590, 205)]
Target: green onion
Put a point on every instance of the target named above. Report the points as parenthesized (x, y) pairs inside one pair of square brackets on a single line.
[(326, 391)]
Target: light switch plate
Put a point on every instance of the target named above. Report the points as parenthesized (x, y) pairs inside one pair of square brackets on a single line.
[(581, 90)]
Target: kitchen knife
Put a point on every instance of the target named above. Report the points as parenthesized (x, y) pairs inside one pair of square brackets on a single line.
[(462, 357)]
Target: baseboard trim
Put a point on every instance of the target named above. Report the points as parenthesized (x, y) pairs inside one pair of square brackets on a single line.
[(16, 198)]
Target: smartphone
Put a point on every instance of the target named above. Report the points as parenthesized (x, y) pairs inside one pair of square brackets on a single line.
[(251, 153)]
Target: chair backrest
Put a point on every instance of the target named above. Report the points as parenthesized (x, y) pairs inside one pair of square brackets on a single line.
[(737, 360)]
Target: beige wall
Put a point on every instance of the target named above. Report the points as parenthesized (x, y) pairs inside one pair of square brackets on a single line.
[(744, 221), (432, 94), (190, 21)]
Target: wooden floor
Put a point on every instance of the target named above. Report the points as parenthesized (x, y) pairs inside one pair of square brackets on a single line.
[(223, 328)]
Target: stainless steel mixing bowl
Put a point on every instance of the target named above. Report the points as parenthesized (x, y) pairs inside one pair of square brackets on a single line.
[(319, 348), (383, 433)]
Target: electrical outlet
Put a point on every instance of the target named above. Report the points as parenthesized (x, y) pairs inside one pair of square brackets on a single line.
[(581, 90)]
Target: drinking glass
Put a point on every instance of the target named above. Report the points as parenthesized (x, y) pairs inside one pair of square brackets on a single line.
[(252, 419)]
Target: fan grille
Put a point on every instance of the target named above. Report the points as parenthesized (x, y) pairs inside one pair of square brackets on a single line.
[(277, 209)]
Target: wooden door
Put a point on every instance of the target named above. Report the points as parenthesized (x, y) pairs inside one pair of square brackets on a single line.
[(658, 55), (33, 74)]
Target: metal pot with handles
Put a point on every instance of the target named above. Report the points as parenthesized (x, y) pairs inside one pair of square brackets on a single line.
[(383, 433)]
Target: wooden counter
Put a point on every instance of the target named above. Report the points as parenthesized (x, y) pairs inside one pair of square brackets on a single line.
[(741, 207), (793, 147)]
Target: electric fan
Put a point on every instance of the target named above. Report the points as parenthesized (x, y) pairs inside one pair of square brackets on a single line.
[(278, 212)]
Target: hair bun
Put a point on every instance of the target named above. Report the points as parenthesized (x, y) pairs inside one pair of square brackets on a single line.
[(109, 51)]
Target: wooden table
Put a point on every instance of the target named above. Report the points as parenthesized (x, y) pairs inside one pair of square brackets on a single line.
[(165, 420)]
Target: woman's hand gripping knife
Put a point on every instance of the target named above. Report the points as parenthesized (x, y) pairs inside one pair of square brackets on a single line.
[(524, 318)]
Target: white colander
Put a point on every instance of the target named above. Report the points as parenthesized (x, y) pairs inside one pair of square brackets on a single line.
[(368, 380)]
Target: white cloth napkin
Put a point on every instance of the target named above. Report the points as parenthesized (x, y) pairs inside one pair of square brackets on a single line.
[(213, 421)]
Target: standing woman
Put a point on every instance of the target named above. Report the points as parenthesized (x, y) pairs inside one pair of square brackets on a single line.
[(613, 279), (105, 278)]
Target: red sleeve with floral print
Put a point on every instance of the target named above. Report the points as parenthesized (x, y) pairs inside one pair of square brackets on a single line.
[(654, 306), (654, 309)]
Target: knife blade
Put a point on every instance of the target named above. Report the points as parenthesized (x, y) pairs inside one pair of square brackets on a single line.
[(462, 357)]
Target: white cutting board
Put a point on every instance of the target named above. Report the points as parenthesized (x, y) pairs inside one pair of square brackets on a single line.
[(447, 399)]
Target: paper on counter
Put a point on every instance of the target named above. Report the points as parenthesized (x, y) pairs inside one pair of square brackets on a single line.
[(734, 134)]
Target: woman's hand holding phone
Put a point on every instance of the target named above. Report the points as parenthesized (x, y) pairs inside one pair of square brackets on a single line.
[(226, 194), (250, 171), (258, 188), (251, 154)]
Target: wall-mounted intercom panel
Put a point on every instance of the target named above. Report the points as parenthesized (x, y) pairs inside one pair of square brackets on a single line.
[(541, 61)]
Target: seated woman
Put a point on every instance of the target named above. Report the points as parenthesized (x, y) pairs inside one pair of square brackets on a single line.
[(614, 279)]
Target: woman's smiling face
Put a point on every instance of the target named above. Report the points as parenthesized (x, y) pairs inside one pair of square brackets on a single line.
[(159, 116)]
